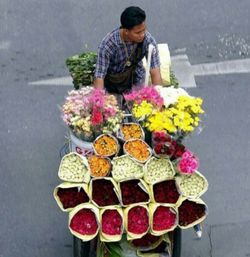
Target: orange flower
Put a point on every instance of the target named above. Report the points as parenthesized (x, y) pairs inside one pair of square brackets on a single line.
[(131, 131), (137, 149), (99, 166), (105, 145)]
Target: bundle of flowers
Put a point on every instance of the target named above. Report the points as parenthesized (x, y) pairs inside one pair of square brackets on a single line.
[(106, 145), (69, 195), (131, 131), (180, 117), (111, 224), (134, 191), (163, 219), (147, 242), (145, 94), (165, 192), (84, 221), (188, 163), (170, 95), (124, 167), (104, 192), (191, 212), (91, 111), (158, 169), (74, 168), (137, 149), (99, 166), (136, 221), (165, 146), (192, 186)]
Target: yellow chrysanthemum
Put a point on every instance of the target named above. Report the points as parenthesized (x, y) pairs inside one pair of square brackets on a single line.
[(142, 110)]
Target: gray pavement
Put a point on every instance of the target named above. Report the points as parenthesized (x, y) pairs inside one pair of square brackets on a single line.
[(35, 39)]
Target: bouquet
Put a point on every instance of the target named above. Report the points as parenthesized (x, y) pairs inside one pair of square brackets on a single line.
[(166, 109), (82, 68), (89, 112)]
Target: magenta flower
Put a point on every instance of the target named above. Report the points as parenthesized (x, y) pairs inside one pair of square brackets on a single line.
[(164, 218), (84, 222), (188, 163), (149, 94), (111, 222), (138, 220)]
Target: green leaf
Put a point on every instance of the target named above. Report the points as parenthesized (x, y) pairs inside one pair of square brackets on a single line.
[(114, 249)]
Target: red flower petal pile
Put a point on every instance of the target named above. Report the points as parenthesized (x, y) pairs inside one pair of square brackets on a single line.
[(132, 192), (103, 193), (163, 218), (190, 211), (166, 192), (145, 241), (111, 222), (71, 197), (138, 220), (84, 222)]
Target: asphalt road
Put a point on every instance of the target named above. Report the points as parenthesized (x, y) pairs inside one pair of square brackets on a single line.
[(37, 36)]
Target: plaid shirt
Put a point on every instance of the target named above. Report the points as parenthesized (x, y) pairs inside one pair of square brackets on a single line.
[(112, 55)]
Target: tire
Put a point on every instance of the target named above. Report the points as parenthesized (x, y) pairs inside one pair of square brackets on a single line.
[(177, 243), (84, 249)]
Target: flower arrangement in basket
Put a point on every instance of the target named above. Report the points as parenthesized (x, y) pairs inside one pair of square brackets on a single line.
[(89, 112)]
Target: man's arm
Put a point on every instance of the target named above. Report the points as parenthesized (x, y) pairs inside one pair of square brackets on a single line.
[(99, 83), (102, 64), (156, 76)]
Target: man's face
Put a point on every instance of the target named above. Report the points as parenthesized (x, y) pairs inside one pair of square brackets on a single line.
[(137, 33)]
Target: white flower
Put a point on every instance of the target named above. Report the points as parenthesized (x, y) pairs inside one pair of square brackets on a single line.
[(170, 94)]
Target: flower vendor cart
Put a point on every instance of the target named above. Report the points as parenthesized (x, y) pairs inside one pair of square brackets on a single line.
[(129, 182)]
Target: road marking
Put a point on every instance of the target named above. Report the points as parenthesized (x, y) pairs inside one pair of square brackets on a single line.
[(228, 67), (62, 81), (184, 71)]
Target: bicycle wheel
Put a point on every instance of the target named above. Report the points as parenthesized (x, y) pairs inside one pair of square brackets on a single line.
[(176, 243)]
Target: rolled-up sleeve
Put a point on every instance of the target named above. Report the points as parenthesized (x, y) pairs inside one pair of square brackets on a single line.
[(103, 60)]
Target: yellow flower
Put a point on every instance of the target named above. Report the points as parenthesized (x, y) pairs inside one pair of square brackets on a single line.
[(142, 110)]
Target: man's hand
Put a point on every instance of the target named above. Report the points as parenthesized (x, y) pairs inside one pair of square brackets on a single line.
[(99, 83), (156, 76)]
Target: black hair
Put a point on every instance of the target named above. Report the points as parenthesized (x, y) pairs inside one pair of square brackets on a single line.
[(132, 16)]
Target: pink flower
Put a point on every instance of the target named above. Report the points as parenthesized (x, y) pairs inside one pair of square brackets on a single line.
[(149, 94), (188, 163), (97, 98), (187, 154)]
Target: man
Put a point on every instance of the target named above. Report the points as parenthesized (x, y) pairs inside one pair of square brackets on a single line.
[(119, 62)]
